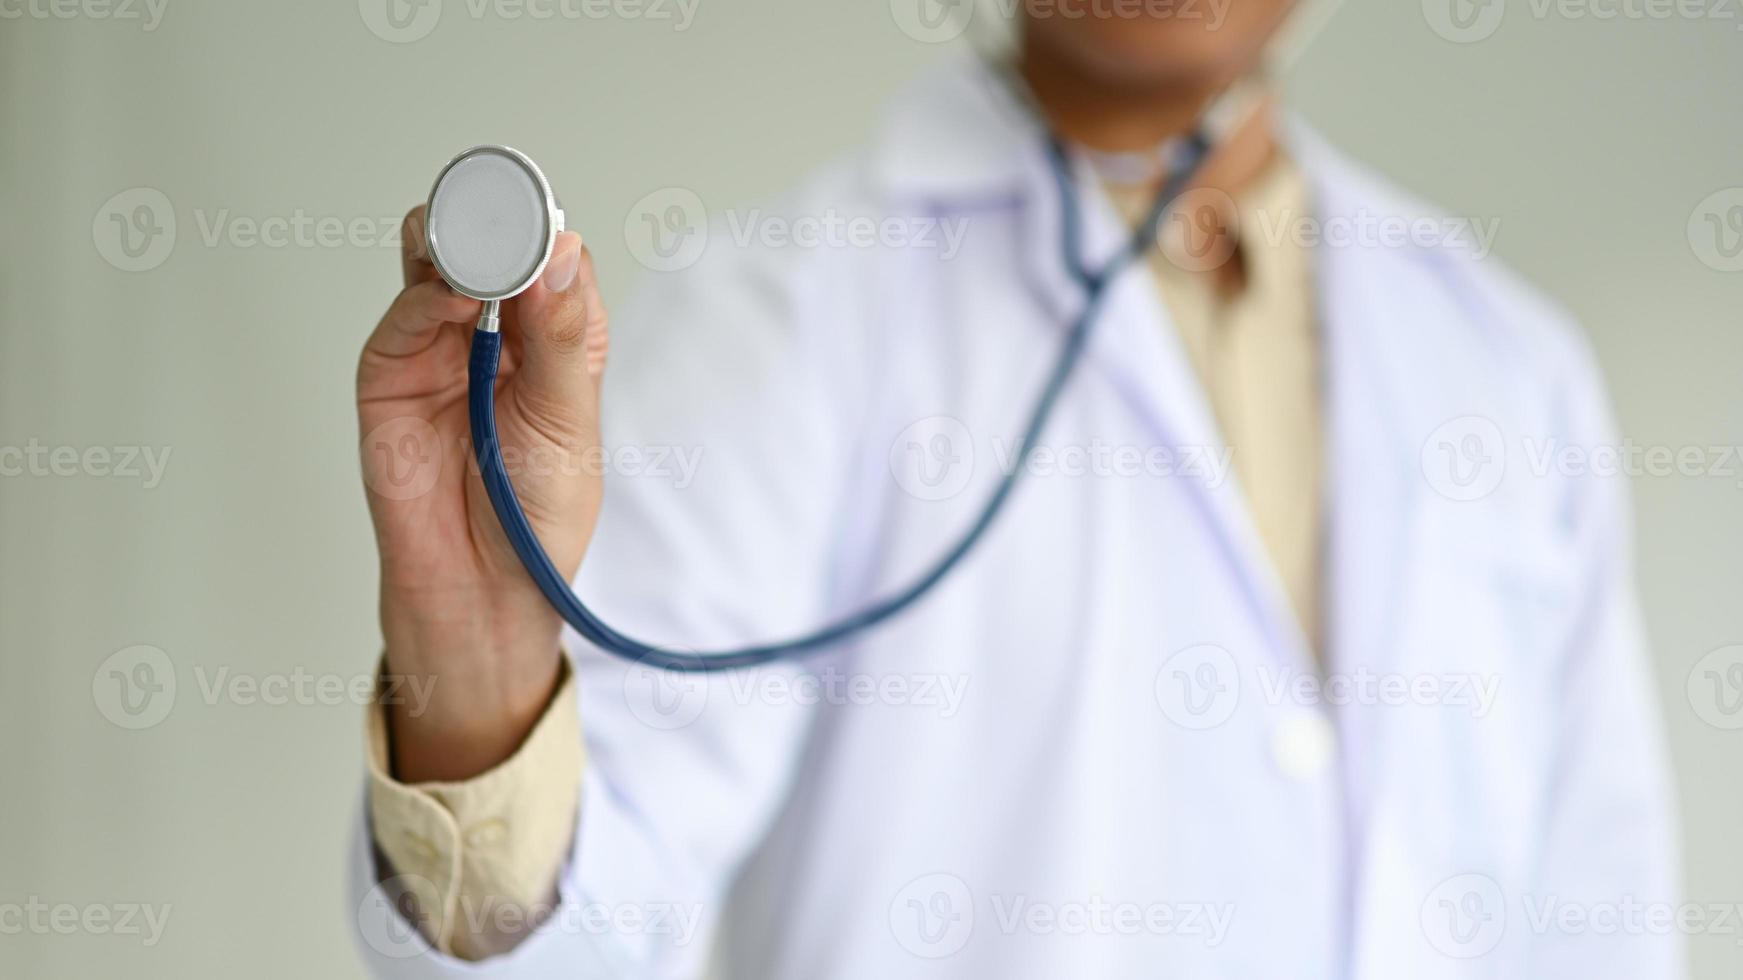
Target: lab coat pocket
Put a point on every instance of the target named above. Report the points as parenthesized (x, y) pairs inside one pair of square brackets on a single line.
[(1482, 626), (1499, 589), (1527, 579)]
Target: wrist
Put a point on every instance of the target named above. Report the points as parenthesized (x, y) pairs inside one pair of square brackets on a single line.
[(485, 681), (459, 741)]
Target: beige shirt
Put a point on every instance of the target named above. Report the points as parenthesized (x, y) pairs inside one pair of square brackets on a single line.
[(479, 859), (475, 863)]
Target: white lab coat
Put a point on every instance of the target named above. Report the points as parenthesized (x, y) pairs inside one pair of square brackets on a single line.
[(1083, 755)]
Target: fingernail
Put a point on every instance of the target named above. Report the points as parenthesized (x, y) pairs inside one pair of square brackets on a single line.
[(564, 262)]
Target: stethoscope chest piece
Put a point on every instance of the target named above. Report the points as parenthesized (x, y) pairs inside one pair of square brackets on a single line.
[(491, 222)]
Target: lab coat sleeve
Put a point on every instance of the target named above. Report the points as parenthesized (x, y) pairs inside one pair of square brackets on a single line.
[(1608, 845), (723, 419)]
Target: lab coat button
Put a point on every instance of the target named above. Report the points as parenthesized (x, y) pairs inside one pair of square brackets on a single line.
[(1303, 744)]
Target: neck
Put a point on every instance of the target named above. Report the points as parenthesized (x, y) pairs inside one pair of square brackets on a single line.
[(1105, 116), (1118, 118)]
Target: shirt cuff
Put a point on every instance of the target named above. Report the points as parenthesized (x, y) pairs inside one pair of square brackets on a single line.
[(475, 862)]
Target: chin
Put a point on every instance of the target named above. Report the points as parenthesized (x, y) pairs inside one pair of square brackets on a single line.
[(1211, 46)]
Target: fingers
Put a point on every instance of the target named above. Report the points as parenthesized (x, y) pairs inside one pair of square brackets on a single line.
[(561, 325), (598, 342), (414, 255), (410, 324)]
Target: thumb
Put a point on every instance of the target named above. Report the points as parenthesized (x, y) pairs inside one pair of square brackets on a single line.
[(561, 324)]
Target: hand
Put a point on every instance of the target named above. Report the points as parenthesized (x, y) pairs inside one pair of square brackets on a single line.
[(457, 608)]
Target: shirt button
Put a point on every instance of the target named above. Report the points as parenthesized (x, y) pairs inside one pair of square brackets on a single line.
[(486, 833), (1303, 744)]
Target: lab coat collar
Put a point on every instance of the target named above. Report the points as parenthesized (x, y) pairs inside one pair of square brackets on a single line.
[(956, 134)]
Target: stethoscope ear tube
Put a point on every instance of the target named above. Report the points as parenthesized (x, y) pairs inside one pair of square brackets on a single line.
[(487, 354)]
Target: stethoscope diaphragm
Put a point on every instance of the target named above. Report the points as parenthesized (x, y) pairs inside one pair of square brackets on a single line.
[(491, 222)]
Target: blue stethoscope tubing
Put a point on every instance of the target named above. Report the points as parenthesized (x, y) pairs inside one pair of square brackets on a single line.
[(487, 352)]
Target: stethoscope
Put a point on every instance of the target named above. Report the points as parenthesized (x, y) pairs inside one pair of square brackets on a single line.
[(491, 224)]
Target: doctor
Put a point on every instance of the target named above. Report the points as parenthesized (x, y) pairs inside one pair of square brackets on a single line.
[(1282, 661)]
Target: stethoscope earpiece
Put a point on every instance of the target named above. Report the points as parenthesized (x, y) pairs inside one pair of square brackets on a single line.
[(491, 223)]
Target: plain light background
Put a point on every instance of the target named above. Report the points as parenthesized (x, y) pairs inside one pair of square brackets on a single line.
[(1593, 140)]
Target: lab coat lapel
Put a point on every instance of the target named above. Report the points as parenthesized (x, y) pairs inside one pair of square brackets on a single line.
[(1375, 495), (1136, 349), (1373, 474)]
